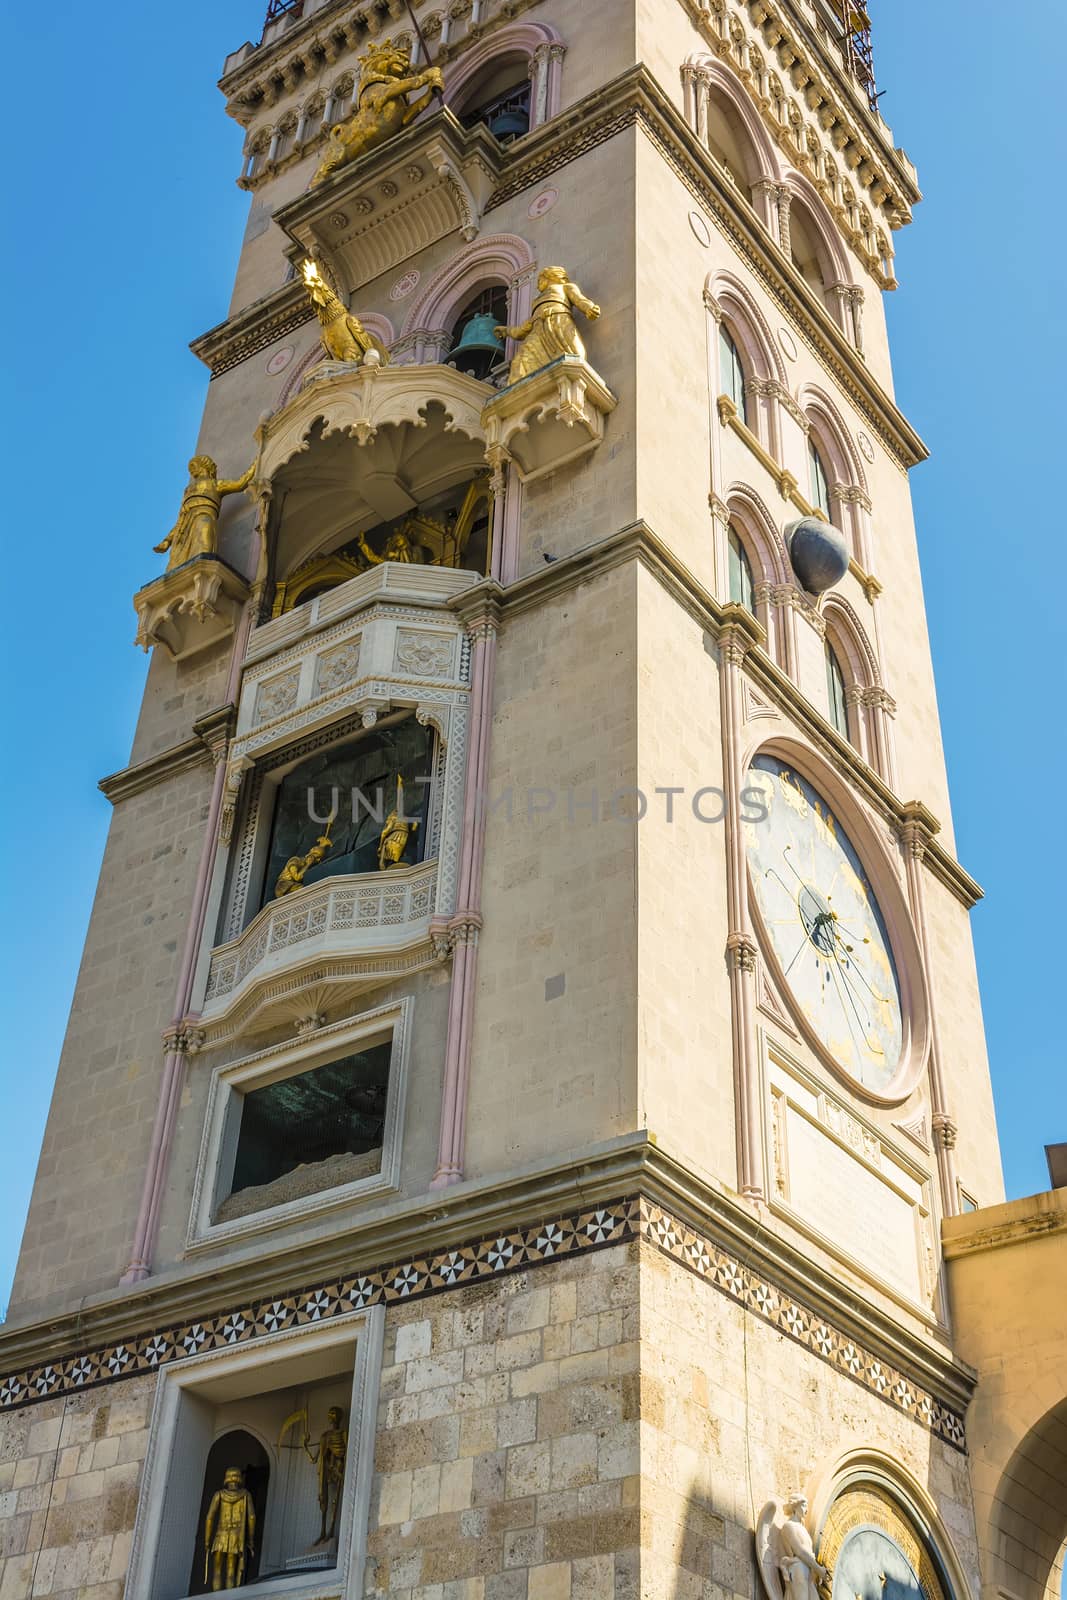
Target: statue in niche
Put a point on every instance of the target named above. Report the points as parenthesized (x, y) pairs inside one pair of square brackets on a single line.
[(293, 873), (229, 1532), (196, 532), (329, 1459), (550, 331), (344, 338), (394, 837), (786, 1555), (382, 106)]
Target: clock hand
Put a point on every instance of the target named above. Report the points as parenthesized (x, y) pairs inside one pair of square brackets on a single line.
[(800, 947), (865, 1022), (858, 970)]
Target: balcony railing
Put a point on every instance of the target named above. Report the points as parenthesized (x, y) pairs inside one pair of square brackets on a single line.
[(370, 913)]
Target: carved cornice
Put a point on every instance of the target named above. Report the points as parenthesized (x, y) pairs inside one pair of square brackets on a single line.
[(820, 103), (304, 50), (211, 734), (636, 97), (638, 542), (254, 328), (668, 1206)]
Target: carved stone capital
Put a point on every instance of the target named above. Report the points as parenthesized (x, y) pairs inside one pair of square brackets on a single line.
[(741, 952), (945, 1130), (183, 1039)]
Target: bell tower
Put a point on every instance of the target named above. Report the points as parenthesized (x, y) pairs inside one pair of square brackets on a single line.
[(528, 1040)]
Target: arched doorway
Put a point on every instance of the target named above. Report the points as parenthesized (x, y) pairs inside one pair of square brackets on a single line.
[(238, 1448), (1028, 1520)]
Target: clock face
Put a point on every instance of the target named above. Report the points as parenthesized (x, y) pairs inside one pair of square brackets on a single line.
[(824, 925), (872, 1566)]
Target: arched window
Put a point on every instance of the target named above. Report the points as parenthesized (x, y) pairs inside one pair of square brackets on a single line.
[(742, 589), (501, 100), (732, 372), (818, 483), (835, 691)]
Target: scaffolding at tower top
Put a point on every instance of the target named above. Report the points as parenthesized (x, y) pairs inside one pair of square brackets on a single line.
[(848, 24)]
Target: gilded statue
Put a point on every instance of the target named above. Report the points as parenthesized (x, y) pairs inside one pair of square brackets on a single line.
[(344, 338), (382, 106), (292, 874), (329, 1458), (229, 1531), (196, 532), (398, 829), (399, 546), (550, 331)]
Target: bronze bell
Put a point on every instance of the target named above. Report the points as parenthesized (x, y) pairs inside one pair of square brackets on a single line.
[(507, 125), (477, 350)]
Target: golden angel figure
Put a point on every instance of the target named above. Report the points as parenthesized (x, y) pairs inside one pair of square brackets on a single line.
[(550, 331)]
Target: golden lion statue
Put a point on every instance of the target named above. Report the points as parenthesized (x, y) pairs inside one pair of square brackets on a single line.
[(382, 106)]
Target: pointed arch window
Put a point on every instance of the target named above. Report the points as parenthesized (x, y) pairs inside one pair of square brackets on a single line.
[(819, 483), (835, 691), (742, 589), (732, 372)]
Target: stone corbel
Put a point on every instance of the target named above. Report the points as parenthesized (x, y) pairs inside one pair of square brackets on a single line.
[(469, 209), (231, 794), (191, 607), (436, 717), (546, 419)]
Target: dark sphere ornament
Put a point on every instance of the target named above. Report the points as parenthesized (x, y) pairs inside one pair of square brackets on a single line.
[(819, 553)]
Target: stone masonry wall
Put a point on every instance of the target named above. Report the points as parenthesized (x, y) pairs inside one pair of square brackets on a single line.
[(69, 1473), (597, 1427)]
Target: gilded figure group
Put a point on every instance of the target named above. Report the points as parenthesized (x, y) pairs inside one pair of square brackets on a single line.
[(383, 108)]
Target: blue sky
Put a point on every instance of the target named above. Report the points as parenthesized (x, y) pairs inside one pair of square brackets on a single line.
[(125, 225)]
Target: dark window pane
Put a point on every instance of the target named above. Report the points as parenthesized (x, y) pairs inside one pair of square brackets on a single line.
[(835, 691), (820, 488), (367, 769), (741, 586), (732, 372), (334, 1110)]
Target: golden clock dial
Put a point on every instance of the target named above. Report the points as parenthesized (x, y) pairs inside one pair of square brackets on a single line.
[(823, 924)]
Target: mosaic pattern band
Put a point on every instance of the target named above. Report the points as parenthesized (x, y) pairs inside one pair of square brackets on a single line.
[(619, 1222)]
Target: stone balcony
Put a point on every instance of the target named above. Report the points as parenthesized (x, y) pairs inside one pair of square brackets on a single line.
[(362, 924)]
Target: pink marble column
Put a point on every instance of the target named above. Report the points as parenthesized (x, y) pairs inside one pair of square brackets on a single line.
[(180, 1035), (736, 637), (465, 925), (918, 830)]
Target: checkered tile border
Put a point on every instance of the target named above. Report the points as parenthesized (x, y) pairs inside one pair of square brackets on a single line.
[(417, 1278)]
